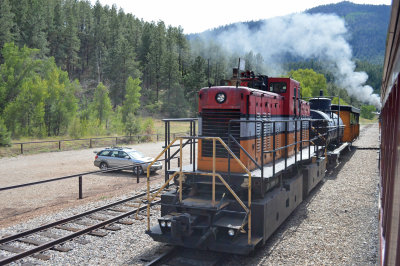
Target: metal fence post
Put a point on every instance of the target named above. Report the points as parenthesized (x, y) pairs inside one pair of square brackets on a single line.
[(22, 148), (90, 143), (116, 141), (137, 174), (80, 187), (59, 145)]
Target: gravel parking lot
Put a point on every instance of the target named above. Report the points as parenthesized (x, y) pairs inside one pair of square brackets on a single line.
[(336, 225), (28, 202)]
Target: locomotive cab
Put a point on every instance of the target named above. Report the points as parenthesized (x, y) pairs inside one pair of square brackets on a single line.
[(290, 90)]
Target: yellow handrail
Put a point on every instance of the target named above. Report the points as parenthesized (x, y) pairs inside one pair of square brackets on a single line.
[(213, 174), (148, 182)]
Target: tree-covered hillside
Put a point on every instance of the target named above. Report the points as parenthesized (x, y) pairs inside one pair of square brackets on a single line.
[(68, 67)]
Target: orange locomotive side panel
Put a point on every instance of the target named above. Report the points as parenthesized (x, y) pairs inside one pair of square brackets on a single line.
[(253, 147)]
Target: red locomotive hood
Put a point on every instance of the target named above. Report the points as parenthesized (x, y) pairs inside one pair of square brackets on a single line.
[(225, 97)]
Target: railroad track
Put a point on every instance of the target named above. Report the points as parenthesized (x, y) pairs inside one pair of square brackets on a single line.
[(40, 239), (178, 256)]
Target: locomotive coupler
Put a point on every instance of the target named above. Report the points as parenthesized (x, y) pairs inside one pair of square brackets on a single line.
[(179, 224)]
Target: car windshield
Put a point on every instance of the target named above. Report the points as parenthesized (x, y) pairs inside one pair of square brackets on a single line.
[(136, 155)]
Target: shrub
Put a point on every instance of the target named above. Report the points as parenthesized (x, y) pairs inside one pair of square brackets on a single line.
[(75, 128), (367, 111), (148, 129), (133, 125), (5, 136)]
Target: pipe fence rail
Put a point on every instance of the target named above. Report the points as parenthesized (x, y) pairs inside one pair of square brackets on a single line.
[(80, 177), (94, 142)]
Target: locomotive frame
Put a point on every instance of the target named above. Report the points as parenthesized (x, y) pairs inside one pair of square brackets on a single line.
[(254, 187)]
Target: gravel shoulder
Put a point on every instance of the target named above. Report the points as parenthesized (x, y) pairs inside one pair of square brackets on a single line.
[(338, 223)]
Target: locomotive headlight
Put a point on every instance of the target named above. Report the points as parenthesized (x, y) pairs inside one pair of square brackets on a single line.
[(231, 232), (220, 97), (162, 223), (169, 224)]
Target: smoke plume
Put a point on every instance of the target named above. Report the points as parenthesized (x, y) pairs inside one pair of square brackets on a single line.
[(319, 36)]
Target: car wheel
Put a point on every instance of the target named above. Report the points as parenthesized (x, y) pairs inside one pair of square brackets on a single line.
[(104, 166), (135, 170)]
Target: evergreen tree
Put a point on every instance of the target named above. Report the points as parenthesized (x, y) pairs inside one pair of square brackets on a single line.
[(195, 79), (101, 105), (132, 98), (133, 124), (61, 104), (71, 40), (85, 29), (5, 136), (155, 57), (120, 65), (99, 41), (34, 28), (144, 52), (7, 25), (56, 35)]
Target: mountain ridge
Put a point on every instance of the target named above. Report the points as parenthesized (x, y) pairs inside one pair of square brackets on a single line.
[(367, 27)]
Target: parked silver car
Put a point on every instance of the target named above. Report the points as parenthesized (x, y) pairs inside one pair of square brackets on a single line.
[(120, 157)]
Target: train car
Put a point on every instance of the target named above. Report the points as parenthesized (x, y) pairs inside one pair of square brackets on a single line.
[(256, 162), (389, 150), (327, 122), (350, 117)]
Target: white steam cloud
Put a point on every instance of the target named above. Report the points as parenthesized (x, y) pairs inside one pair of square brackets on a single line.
[(319, 36)]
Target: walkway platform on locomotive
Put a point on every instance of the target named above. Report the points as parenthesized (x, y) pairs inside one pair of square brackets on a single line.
[(268, 170)]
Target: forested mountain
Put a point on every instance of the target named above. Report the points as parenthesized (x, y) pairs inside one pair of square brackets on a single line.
[(367, 24), (70, 67)]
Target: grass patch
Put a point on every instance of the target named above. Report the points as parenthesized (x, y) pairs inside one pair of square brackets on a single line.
[(364, 121), (176, 127), (64, 143)]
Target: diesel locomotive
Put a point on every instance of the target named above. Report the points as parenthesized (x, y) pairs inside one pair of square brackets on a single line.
[(261, 149)]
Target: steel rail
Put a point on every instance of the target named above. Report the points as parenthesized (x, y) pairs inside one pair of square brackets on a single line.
[(161, 258), (186, 256), (72, 235)]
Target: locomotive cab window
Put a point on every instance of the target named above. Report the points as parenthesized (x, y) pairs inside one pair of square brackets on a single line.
[(277, 87)]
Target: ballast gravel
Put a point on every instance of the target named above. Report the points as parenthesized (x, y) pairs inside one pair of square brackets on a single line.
[(336, 225)]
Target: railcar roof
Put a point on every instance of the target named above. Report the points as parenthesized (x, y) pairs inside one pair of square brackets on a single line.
[(345, 108)]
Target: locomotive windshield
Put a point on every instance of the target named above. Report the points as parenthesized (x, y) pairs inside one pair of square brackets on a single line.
[(277, 87)]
